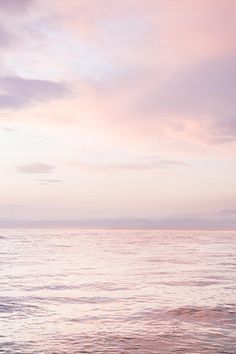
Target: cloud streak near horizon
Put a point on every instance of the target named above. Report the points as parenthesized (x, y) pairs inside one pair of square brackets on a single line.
[(36, 168), (134, 165)]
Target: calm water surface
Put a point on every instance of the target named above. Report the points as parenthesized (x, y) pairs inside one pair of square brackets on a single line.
[(113, 291)]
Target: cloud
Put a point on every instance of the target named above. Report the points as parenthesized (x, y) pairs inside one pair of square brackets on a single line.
[(11, 206), (5, 38), (8, 130), (49, 182), (19, 92), (177, 79), (199, 97), (228, 212), (15, 5), (174, 77), (36, 168), (224, 129), (203, 88), (144, 164)]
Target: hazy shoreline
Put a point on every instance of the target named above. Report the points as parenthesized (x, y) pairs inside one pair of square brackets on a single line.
[(125, 223)]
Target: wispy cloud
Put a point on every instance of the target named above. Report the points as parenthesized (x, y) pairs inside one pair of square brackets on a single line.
[(15, 5), (19, 92), (36, 168), (8, 130), (142, 164), (49, 182)]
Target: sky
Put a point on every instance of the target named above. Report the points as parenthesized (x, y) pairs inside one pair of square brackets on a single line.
[(117, 108)]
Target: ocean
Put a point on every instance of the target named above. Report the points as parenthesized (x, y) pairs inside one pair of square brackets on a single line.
[(117, 291)]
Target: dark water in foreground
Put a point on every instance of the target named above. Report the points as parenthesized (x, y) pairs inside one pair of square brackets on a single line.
[(112, 291)]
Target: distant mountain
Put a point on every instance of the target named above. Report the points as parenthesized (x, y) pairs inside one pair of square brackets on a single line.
[(178, 222)]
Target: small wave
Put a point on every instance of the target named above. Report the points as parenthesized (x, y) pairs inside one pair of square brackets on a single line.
[(147, 343), (192, 283), (74, 300), (53, 287), (11, 306), (204, 314), (63, 287), (169, 260)]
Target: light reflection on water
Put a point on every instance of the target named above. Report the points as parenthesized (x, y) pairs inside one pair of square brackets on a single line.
[(117, 291)]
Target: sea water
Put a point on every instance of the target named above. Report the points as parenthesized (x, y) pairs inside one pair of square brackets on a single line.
[(117, 291)]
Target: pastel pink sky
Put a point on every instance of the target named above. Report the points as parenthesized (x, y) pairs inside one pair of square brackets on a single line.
[(117, 108)]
